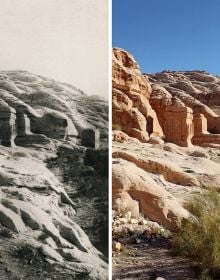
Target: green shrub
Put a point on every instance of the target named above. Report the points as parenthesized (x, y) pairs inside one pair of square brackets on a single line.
[(199, 237)]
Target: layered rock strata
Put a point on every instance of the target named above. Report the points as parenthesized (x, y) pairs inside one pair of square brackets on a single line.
[(36, 212), (43, 109), (163, 104), (132, 112), (39, 224), (175, 112)]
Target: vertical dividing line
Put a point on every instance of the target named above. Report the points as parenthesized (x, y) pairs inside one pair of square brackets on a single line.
[(110, 133)]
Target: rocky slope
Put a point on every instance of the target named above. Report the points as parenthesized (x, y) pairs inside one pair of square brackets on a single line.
[(172, 113), (198, 84), (166, 140), (47, 125)]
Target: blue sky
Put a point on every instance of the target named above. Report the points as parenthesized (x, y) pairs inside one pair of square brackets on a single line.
[(169, 34)]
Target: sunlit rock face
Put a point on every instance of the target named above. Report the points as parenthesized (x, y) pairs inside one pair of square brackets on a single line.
[(197, 89), (166, 131), (126, 74), (178, 124), (164, 104), (132, 112), (165, 153)]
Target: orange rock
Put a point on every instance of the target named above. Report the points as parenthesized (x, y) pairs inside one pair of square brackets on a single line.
[(155, 202), (198, 90), (124, 204), (142, 136), (126, 74), (163, 104), (120, 101), (129, 119), (142, 104), (200, 124), (119, 136), (178, 125), (131, 109)]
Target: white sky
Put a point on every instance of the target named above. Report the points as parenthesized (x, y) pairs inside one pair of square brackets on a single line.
[(63, 39)]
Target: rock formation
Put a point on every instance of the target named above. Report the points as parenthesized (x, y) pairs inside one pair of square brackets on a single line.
[(130, 96), (163, 104), (154, 202), (90, 138), (178, 123), (7, 124), (43, 122), (198, 90), (50, 109), (175, 114)]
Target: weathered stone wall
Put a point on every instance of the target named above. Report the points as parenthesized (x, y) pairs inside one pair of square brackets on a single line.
[(7, 124), (178, 124), (201, 136), (200, 124), (90, 138), (162, 104)]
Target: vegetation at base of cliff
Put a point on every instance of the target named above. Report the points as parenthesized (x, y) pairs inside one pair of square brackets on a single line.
[(199, 237)]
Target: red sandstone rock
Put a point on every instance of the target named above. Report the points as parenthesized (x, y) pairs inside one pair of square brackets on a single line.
[(155, 202), (198, 90), (143, 105), (126, 74), (120, 101), (130, 99), (178, 124)]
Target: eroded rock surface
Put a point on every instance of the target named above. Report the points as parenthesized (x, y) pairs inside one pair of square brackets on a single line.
[(198, 90), (44, 121), (34, 205), (166, 104), (167, 110), (47, 109), (142, 168), (132, 111), (166, 140)]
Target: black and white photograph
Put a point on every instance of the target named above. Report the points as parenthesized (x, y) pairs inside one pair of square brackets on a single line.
[(54, 139)]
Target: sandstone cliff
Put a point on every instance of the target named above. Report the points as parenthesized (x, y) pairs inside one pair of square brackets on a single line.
[(47, 127), (182, 107), (166, 139)]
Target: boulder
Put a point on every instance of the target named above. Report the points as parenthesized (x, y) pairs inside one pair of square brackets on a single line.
[(155, 140), (125, 203), (119, 136), (154, 201)]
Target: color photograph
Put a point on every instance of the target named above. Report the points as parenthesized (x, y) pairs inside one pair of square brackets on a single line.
[(166, 139)]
